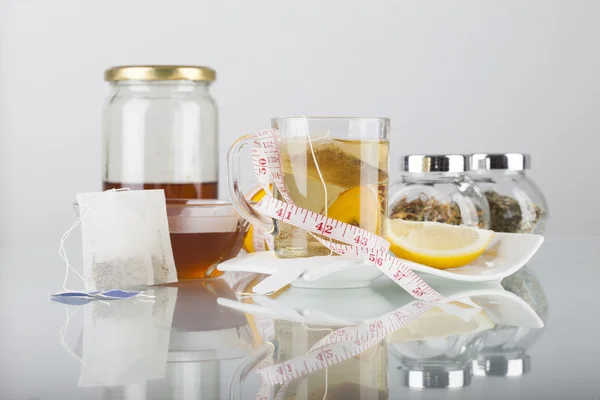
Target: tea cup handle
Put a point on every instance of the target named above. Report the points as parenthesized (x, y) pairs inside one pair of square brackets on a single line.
[(237, 197)]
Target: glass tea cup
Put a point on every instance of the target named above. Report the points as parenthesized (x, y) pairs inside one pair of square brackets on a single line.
[(203, 234), (332, 166)]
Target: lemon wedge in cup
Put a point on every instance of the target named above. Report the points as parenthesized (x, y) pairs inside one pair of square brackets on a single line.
[(435, 244), (359, 206)]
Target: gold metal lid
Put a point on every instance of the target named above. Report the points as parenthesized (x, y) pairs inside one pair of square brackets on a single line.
[(160, 73)]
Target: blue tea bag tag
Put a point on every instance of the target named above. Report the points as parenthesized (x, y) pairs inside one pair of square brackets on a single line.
[(116, 294), (111, 294), (71, 301)]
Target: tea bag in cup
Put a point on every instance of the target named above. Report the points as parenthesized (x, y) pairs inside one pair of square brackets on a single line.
[(125, 239), (126, 342)]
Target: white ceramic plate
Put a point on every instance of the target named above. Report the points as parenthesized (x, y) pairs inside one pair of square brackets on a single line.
[(505, 255)]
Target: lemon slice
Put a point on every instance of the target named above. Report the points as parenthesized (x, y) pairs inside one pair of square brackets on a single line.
[(255, 195), (359, 206), (435, 244)]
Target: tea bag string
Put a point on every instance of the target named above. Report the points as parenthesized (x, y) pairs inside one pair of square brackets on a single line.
[(63, 254), (61, 249), (63, 333), (314, 157)]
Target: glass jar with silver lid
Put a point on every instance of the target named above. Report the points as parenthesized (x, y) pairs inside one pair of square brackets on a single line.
[(436, 188), (516, 204)]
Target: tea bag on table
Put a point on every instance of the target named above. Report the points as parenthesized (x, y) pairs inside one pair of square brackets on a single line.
[(125, 239)]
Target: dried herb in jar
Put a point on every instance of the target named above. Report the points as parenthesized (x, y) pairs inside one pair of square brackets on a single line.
[(507, 214), (430, 209)]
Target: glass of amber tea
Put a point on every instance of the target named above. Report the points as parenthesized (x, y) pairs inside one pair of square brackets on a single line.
[(332, 166), (203, 234)]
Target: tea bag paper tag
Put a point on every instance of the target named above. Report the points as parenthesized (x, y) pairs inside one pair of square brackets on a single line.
[(125, 239)]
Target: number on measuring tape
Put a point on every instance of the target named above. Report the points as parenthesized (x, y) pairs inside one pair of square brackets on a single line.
[(284, 215), (361, 240), (375, 326), (399, 275), (343, 344), (326, 229), (328, 354)]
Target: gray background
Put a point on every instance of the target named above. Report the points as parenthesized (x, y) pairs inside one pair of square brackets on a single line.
[(455, 76)]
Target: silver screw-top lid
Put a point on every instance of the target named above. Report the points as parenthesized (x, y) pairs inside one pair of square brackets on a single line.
[(501, 366), (435, 163), (437, 379), (507, 161)]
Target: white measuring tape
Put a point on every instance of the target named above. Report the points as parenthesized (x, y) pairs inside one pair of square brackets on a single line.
[(366, 245), (346, 342)]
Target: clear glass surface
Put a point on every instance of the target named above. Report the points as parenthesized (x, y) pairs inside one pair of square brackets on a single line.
[(188, 342)]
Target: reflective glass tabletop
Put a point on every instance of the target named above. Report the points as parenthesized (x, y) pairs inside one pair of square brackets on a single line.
[(531, 336)]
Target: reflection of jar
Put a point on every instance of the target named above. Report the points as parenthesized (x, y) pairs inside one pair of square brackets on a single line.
[(436, 351), (160, 131), (505, 348), (436, 188), (516, 204)]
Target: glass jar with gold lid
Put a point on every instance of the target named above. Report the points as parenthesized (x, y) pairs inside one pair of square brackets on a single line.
[(160, 130)]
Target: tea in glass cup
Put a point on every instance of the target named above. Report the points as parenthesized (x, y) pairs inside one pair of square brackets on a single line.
[(203, 234), (336, 167)]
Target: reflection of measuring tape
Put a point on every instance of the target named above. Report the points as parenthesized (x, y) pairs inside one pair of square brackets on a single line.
[(344, 343), (358, 242)]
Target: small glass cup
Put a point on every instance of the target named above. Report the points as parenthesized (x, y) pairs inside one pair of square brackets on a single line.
[(437, 360), (203, 234), (348, 181)]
